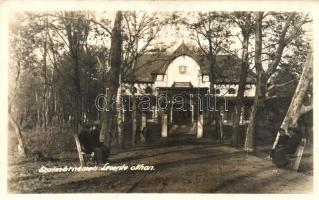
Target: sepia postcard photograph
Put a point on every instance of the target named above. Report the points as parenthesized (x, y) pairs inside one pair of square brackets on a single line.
[(158, 97)]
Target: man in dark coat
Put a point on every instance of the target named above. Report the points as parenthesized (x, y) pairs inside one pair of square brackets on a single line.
[(85, 140), (89, 139), (286, 145)]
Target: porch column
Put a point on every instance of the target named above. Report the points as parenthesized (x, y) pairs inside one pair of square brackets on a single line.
[(192, 110), (143, 125), (200, 124), (242, 114), (164, 125), (222, 113), (153, 113), (171, 114), (221, 122)]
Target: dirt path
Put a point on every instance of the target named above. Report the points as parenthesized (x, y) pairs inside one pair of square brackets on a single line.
[(185, 165)]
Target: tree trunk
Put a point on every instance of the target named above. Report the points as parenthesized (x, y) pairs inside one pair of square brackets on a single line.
[(133, 119), (259, 101), (250, 144), (44, 103), (120, 122), (212, 62), (241, 90), (112, 79), (212, 116), (133, 114), (75, 134), (79, 149), (44, 71), (38, 111), (22, 150), (296, 108), (47, 107), (78, 104), (77, 109)]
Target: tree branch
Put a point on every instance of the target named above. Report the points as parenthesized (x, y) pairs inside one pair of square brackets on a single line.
[(281, 85), (90, 20), (283, 41)]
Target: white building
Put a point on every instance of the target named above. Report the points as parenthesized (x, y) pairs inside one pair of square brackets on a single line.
[(184, 78)]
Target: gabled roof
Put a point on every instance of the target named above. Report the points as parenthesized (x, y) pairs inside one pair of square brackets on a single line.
[(227, 67)]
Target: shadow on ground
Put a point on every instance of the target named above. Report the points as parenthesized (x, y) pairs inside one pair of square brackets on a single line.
[(182, 164)]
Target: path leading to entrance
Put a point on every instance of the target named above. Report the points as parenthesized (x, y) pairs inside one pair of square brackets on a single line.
[(185, 164)]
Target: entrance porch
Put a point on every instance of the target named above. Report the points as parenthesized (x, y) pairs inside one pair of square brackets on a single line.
[(185, 111)]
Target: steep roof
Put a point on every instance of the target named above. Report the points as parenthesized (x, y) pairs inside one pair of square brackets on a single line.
[(227, 67)]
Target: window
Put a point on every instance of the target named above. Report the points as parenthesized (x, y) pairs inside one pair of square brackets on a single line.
[(217, 91), (231, 91), (182, 69), (205, 78), (160, 77), (248, 87)]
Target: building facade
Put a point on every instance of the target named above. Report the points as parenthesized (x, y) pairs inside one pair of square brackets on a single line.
[(182, 91)]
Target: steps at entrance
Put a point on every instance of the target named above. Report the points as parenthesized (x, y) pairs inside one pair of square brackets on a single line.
[(183, 129)]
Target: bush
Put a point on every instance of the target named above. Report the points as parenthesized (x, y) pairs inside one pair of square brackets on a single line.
[(53, 140)]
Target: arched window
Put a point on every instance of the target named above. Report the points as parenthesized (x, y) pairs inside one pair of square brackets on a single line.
[(231, 91), (205, 78)]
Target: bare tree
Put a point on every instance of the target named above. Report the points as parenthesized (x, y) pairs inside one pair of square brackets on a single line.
[(112, 79), (259, 94), (140, 31), (22, 149), (290, 30), (297, 106), (211, 31), (244, 20)]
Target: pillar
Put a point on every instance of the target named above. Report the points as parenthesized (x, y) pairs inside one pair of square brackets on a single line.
[(200, 126), (164, 125), (242, 114), (221, 122), (143, 125), (171, 114), (153, 112), (222, 113), (192, 109)]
